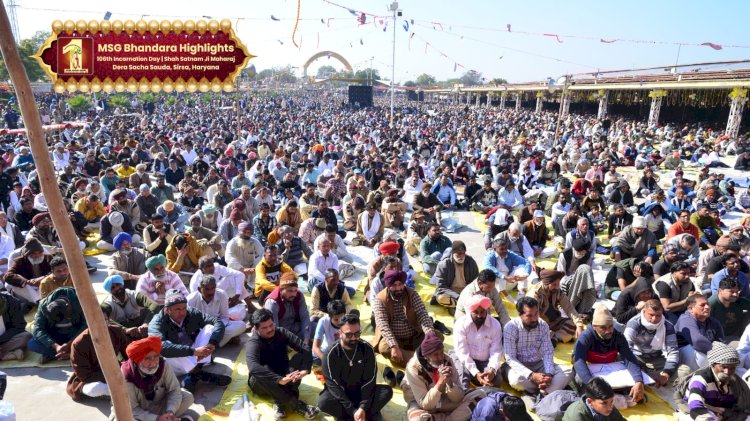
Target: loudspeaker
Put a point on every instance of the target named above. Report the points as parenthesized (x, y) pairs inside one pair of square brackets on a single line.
[(360, 96), (415, 96)]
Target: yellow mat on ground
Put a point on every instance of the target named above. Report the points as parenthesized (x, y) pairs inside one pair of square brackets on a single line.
[(91, 241), (656, 408)]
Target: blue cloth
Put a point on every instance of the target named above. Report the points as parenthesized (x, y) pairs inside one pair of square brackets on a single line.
[(723, 274), (119, 238), (109, 281), (39, 348), (488, 409), (512, 260)]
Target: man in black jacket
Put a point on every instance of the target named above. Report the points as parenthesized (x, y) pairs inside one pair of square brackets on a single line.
[(15, 337), (271, 371), (350, 369)]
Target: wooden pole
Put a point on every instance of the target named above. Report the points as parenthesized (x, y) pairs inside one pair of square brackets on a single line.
[(85, 290)]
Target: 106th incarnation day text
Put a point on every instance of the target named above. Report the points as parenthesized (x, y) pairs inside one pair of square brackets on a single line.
[(191, 49)]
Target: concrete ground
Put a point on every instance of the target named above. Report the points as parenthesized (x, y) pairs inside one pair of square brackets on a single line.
[(39, 393)]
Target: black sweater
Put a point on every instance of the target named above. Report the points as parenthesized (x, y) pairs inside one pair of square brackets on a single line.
[(358, 379), (267, 359)]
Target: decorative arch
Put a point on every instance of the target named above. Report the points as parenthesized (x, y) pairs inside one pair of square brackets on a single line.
[(328, 54)]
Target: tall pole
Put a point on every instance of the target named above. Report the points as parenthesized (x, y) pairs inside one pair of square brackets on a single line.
[(394, 8), (84, 289), (558, 131), (371, 59)]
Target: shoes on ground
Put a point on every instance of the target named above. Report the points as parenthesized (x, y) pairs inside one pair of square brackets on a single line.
[(278, 412)]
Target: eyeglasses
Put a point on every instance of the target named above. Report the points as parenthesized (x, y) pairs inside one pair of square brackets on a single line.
[(353, 335)]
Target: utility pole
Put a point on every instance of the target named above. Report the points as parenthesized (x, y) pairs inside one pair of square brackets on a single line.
[(563, 108), (394, 9), (371, 59)]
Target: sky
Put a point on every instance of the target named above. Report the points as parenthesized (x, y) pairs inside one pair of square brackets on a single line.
[(448, 38)]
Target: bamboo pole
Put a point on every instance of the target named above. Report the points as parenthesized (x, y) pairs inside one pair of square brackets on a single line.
[(94, 317)]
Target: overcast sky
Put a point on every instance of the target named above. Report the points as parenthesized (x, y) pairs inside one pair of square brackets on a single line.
[(447, 35)]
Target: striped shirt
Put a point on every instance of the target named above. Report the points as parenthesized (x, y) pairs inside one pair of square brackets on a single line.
[(524, 347), (705, 393)]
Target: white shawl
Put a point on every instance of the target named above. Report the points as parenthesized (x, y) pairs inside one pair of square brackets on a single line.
[(370, 231)]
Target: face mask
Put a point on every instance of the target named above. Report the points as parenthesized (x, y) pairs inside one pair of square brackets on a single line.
[(37, 261), (651, 326)]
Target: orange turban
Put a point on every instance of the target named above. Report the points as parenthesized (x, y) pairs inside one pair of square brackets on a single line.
[(138, 350), (389, 248)]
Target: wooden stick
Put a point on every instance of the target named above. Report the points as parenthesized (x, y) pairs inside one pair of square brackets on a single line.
[(85, 290)]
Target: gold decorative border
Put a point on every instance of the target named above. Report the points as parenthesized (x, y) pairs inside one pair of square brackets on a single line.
[(141, 27)]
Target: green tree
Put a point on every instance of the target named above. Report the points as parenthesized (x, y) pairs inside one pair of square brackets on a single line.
[(325, 72), (264, 74), (365, 74), (148, 98), (119, 101), (471, 78), (498, 81), (410, 84), (26, 49), (426, 80), (79, 104)]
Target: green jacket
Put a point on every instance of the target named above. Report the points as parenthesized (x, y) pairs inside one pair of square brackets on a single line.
[(427, 247), (45, 330), (579, 411)]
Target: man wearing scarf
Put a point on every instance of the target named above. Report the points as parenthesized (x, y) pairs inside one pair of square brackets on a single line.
[(370, 227), (127, 261), (130, 309), (716, 391), (154, 391), (189, 339), (600, 343), (244, 252), (432, 386), (654, 342), (289, 309), (635, 241), (26, 271), (537, 233), (158, 280)]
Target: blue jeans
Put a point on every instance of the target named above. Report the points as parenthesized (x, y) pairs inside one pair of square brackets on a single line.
[(39, 348)]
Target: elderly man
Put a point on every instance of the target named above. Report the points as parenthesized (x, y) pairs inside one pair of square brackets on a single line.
[(509, 267), (158, 280), (537, 234), (58, 320), (635, 241), (87, 379), (529, 355), (120, 203), (244, 253), (208, 240), (654, 342), (479, 345), (428, 203), (147, 202), (600, 343), (320, 261), (174, 214), (158, 235), (323, 293), (127, 261), (27, 271), (130, 309), (716, 391), (155, 393), (401, 319), (433, 248), (673, 290), (211, 300), (289, 309), (552, 302), (582, 230), (432, 386), (696, 331), (231, 281), (337, 244), (350, 392), (189, 339), (452, 275), (15, 337), (271, 371), (517, 243)]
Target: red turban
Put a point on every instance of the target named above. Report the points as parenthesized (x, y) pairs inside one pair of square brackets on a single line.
[(138, 350), (389, 247)]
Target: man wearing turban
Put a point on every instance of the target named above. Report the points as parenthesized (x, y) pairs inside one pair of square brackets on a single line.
[(119, 202), (130, 309), (552, 302), (401, 319), (432, 384), (479, 344), (152, 385), (158, 280), (127, 261), (114, 223), (452, 275), (244, 252)]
